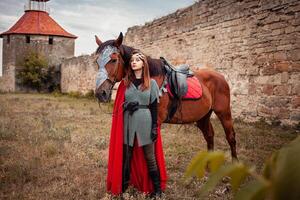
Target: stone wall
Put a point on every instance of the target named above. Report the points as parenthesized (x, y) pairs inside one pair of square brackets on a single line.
[(254, 44), (7, 81), (15, 48), (78, 74)]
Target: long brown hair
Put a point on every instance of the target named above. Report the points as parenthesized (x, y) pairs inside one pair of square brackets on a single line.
[(145, 73)]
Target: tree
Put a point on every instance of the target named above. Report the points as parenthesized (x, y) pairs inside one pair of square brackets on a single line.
[(35, 71)]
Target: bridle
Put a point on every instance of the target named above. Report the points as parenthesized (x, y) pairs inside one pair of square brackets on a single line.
[(104, 58), (113, 82)]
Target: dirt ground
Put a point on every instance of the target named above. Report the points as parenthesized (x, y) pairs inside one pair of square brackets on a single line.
[(56, 147)]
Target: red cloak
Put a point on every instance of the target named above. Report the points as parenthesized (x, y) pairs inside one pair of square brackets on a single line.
[(139, 176)]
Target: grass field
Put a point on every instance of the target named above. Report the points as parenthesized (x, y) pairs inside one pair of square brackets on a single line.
[(57, 148)]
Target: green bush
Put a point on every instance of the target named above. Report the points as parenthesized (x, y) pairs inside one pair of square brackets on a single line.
[(280, 179), (36, 73), (75, 94), (90, 94), (57, 93)]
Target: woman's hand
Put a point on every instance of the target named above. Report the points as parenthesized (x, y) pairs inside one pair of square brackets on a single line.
[(131, 106)]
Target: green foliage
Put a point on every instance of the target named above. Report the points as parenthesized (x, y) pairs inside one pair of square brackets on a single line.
[(90, 94), (37, 74), (285, 172), (254, 190), (57, 93), (75, 94), (199, 163), (280, 178)]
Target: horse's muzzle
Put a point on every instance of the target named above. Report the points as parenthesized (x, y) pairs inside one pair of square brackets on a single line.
[(103, 95)]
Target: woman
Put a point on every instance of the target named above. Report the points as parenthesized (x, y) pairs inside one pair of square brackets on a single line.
[(135, 152)]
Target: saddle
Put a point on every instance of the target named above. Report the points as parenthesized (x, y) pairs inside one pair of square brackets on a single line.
[(177, 78)]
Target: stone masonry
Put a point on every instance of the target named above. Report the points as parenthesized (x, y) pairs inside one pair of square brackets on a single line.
[(15, 49), (78, 74), (254, 44)]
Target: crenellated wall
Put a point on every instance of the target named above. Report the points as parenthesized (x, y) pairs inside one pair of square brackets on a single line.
[(254, 44)]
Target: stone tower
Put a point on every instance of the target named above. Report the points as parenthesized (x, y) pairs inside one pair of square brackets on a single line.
[(34, 31)]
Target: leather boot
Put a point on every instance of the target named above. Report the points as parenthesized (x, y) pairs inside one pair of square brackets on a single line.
[(125, 179), (124, 186), (155, 177), (126, 167)]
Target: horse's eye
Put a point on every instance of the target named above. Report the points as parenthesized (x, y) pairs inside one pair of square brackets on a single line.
[(113, 61)]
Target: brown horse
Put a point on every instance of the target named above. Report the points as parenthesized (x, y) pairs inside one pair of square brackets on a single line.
[(216, 92)]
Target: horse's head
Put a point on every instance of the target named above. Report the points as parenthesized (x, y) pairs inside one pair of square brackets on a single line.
[(111, 67)]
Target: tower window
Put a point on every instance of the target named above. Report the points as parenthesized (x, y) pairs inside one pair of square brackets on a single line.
[(8, 39), (50, 40), (27, 39)]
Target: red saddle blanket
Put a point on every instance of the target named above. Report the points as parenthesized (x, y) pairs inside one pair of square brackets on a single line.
[(194, 91)]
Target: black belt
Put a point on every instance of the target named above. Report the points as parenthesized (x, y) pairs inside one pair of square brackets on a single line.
[(133, 106), (143, 107)]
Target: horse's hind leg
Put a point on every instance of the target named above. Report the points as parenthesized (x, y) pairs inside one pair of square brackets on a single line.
[(227, 123), (205, 126)]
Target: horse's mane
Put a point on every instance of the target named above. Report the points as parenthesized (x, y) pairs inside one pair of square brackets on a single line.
[(155, 65)]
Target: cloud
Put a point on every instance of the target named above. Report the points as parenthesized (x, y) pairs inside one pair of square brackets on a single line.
[(86, 18)]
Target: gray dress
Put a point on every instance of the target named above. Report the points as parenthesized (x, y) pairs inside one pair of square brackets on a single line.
[(140, 122)]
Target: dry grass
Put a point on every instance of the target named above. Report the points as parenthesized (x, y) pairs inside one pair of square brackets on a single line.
[(56, 148)]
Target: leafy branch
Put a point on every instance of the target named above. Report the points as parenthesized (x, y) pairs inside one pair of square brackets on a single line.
[(280, 178)]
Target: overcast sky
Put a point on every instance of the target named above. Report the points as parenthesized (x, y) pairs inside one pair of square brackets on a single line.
[(86, 18)]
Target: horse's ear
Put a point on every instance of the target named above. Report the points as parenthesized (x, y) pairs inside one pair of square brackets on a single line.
[(98, 41), (119, 41)]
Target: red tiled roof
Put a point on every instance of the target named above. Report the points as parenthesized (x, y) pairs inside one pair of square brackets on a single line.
[(37, 23)]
